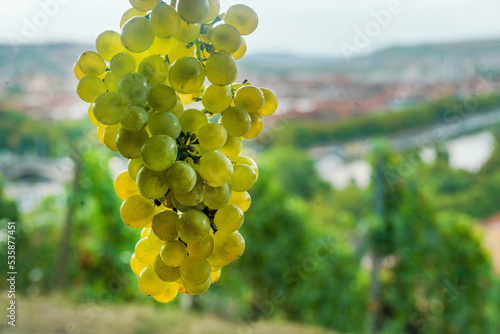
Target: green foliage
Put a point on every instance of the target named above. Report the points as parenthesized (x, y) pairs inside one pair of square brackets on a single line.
[(437, 277), (22, 135)]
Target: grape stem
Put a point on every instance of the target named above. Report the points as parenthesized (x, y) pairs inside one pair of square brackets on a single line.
[(173, 3)]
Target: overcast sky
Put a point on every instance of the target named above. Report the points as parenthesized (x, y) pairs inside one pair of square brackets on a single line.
[(309, 27)]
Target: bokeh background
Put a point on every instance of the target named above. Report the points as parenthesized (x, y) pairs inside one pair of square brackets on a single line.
[(378, 203)]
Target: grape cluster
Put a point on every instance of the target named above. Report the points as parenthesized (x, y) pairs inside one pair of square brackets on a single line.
[(186, 183)]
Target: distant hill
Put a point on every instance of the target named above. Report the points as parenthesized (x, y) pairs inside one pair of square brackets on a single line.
[(452, 61)]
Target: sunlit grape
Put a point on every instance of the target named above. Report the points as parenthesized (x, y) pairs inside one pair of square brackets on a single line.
[(152, 184), (91, 63), (89, 88), (193, 11), (108, 44), (221, 69), (159, 152), (164, 225), (137, 35), (129, 143), (242, 17), (187, 75), (164, 21), (225, 38), (236, 121)]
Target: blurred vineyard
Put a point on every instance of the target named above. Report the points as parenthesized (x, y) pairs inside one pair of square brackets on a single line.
[(404, 255)]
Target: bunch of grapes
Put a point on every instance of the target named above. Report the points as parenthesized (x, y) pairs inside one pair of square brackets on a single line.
[(186, 183)]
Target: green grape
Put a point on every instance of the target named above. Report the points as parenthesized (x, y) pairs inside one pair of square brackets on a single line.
[(213, 11), (237, 121), (181, 50), (134, 89), (192, 120), (155, 242), (270, 103), (134, 166), (249, 98), (137, 211), (108, 108), (238, 54), (162, 98), (201, 250), (228, 246), (149, 283), (242, 17), (212, 136), (152, 184), (159, 152), (164, 272), (197, 289), (243, 178), (164, 21), (231, 148), (221, 69), (163, 46), (144, 232), (194, 197), (188, 32), (164, 225), (215, 261), (225, 38), (187, 75), (173, 253), (91, 63), (144, 252), (193, 11), (92, 118), (129, 143), (144, 5), (181, 177), (155, 69), (216, 99), (193, 226), (136, 265), (121, 64), (89, 88), (216, 197), (108, 44), (243, 160), (215, 275), (257, 125), (137, 35), (178, 110), (241, 200), (111, 81), (165, 123), (229, 219), (134, 118), (171, 291), (193, 271), (130, 13), (77, 71), (215, 168), (125, 186), (110, 135)]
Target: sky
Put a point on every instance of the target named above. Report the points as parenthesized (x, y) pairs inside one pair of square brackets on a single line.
[(331, 28)]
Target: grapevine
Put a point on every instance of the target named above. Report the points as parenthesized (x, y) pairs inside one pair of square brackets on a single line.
[(163, 94)]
